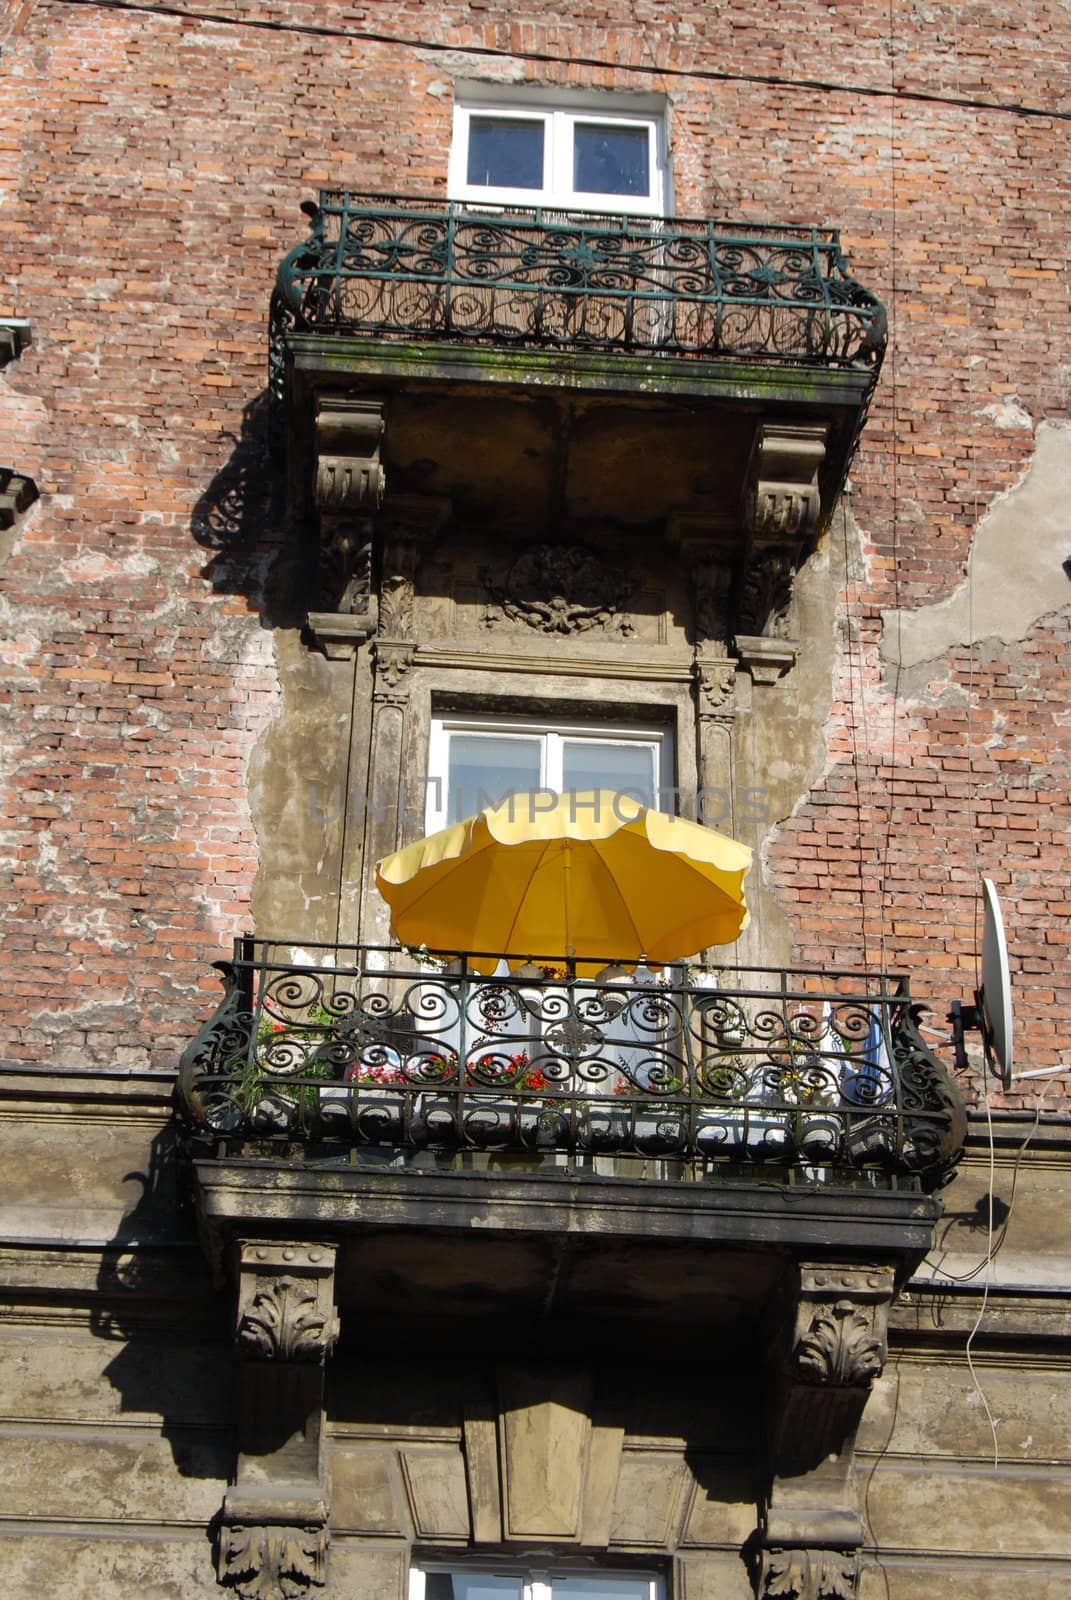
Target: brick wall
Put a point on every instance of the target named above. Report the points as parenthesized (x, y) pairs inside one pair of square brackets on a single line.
[(151, 169)]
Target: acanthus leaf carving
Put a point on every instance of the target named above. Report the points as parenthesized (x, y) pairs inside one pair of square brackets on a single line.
[(841, 1325), (394, 661), (841, 1346), (272, 1562), (766, 595), (564, 589), (285, 1322), (808, 1575), (285, 1301)]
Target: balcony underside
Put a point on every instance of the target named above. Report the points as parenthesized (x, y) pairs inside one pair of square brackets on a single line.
[(530, 1247)]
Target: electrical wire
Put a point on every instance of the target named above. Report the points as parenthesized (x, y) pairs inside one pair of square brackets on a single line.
[(495, 52)]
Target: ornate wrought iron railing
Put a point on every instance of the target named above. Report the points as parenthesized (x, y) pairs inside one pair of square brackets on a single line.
[(417, 268), (822, 1073)]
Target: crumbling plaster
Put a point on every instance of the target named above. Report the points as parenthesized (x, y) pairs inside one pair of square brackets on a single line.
[(1015, 572)]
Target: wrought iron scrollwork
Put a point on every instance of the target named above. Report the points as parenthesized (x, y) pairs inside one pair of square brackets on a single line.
[(410, 267), (817, 1072)]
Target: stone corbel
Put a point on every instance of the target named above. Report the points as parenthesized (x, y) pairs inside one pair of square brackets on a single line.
[(782, 499), (762, 615), (273, 1532), (349, 435), (828, 1348)]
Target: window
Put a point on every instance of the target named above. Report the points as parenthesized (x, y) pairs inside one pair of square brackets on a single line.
[(500, 1581), (478, 761), (586, 156)]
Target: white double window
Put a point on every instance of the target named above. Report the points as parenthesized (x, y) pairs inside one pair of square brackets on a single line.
[(598, 154), (494, 1582), (476, 761)]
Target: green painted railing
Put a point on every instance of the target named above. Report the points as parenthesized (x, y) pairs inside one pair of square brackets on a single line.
[(423, 268)]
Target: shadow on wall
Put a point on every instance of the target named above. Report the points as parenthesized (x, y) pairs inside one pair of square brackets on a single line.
[(156, 1302), (242, 519)]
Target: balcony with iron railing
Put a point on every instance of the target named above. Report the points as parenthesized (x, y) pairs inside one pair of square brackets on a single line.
[(688, 1073), (417, 268)]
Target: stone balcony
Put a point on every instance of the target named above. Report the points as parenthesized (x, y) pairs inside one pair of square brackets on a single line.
[(666, 1122)]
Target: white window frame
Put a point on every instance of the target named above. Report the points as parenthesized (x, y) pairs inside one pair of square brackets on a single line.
[(537, 1583), (559, 118), (553, 735)]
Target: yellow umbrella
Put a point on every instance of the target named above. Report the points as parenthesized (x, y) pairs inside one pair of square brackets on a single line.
[(595, 877)]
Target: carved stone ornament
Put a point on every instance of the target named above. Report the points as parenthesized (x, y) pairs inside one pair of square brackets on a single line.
[(394, 663), (717, 690), (285, 1302), (841, 1325), (710, 585), (766, 595), (349, 434), (272, 1563), (559, 589), (808, 1575), (345, 574), (781, 497)]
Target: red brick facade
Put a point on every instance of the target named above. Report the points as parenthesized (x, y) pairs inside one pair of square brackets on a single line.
[(151, 169)]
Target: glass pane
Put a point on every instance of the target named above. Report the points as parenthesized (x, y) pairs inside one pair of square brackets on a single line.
[(610, 160), (505, 153), (473, 1586), (485, 768), (601, 764), (601, 1588)]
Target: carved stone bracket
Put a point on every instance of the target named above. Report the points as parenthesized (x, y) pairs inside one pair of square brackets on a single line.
[(273, 1528), (563, 589), (762, 615), (285, 1308), (829, 1346), (349, 434), (781, 494), (263, 1558), (808, 1575), (841, 1330)]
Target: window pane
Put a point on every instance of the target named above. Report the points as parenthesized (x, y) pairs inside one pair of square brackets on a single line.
[(610, 160), (600, 764), (601, 1588), (485, 768), (473, 1586), (505, 153)]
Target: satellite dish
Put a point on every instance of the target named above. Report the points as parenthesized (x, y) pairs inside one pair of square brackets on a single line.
[(994, 997), (991, 1012)]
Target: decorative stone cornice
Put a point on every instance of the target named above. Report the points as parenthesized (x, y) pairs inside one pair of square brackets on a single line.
[(781, 494), (349, 435), (285, 1301), (808, 1575), (765, 659)]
